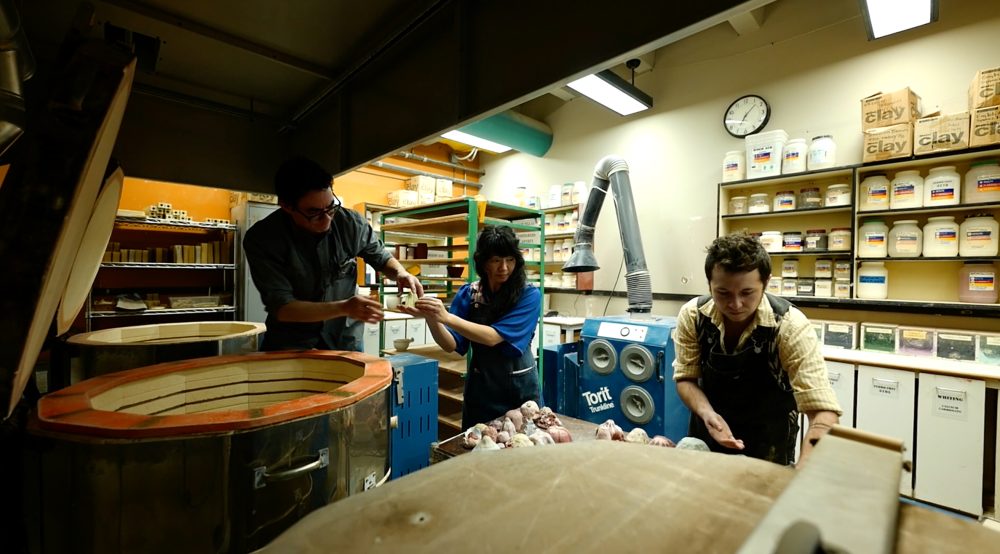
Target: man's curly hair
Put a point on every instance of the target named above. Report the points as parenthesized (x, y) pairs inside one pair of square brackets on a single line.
[(738, 253)]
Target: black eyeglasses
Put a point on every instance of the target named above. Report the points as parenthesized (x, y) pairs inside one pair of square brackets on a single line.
[(330, 211)]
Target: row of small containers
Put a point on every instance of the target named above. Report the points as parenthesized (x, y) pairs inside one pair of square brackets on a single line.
[(938, 411), (948, 344), (894, 128)]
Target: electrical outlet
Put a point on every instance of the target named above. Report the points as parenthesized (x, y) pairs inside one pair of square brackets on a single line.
[(370, 481)]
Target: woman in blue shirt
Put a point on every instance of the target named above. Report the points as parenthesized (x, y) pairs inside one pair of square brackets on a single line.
[(498, 316)]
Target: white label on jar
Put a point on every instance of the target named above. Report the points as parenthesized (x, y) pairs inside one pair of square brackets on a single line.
[(958, 338), (878, 330), (838, 242), (786, 203), (982, 281), (792, 155), (837, 328), (842, 271), (942, 191), (904, 190), (875, 239), (988, 184), (979, 235), (993, 341), (945, 235), (914, 334), (907, 242), (878, 194), (872, 279), (812, 243)]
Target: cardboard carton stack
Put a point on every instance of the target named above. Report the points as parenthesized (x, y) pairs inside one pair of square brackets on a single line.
[(887, 121), (984, 106)]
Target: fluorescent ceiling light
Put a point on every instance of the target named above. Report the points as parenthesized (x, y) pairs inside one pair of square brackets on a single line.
[(886, 17), (472, 140), (614, 92)]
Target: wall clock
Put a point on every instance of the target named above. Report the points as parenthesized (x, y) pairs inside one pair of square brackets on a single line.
[(746, 115)]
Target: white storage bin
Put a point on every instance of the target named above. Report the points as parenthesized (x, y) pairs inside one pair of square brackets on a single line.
[(764, 151), (885, 405)]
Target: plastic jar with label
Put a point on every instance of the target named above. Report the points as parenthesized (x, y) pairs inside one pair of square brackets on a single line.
[(789, 286), (784, 201), (842, 288), (793, 157), (839, 239), (873, 281), (809, 198), (790, 267), (942, 187), (822, 152), (733, 166), (978, 236), (906, 190), (737, 205), (905, 239), (872, 237), (977, 282), (941, 237), (815, 240), (774, 286), (805, 286), (823, 268), (874, 193), (982, 182), (842, 269), (837, 195), (823, 288), (759, 203), (791, 241), (771, 241)]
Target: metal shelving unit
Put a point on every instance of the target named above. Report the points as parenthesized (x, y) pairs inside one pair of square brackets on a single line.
[(460, 218)]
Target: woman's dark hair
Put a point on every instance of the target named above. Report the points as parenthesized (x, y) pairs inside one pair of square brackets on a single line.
[(297, 176), (500, 241), (738, 253)]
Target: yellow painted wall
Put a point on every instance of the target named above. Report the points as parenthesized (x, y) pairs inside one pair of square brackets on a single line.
[(200, 202)]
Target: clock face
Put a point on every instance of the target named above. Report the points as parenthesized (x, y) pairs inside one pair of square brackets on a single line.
[(746, 116)]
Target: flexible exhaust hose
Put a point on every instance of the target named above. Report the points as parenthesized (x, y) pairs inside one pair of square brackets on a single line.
[(613, 171)]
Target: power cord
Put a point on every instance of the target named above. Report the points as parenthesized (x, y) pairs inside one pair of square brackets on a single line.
[(614, 286)]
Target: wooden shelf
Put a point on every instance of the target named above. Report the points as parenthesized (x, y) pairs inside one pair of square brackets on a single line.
[(460, 206), (932, 209), (453, 394), (446, 226), (146, 265), (434, 261), (561, 209), (933, 259), (904, 306), (164, 311), (833, 172), (561, 235), (788, 213), (811, 253), (451, 420), (915, 162), (140, 223)]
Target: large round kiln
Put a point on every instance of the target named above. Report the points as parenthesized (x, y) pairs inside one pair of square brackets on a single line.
[(144, 345), (205, 455)]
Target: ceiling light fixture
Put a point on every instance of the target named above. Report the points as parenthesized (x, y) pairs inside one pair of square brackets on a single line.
[(886, 17), (607, 88), (472, 140)]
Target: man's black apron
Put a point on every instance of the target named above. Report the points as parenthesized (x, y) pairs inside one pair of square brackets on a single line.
[(749, 389), (495, 382)]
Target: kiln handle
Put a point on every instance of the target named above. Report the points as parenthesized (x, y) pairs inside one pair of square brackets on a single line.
[(262, 477)]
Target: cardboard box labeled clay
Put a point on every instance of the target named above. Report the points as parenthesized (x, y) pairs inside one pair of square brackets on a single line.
[(985, 127), (886, 143), (889, 108), (985, 89), (941, 133)]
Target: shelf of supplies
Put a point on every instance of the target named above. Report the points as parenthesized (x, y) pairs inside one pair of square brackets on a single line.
[(452, 420), (157, 222), (805, 176), (561, 209), (460, 206), (434, 261), (933, 209), (906, 306), (933, 259), (831, 253), (560, 235), (452, 393), (450, 225), (145, 265), (165, 311), (786, 213)]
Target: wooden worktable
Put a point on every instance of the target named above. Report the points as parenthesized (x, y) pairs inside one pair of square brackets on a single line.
[(581, 431)]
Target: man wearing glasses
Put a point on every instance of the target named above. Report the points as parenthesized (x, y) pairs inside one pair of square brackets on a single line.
[(302, 259)]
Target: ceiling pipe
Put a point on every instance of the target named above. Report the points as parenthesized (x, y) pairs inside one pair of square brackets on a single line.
[(411, 171), (432, 161)]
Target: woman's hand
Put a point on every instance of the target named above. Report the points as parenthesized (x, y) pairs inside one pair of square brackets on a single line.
[(719, 429), (431, 308)]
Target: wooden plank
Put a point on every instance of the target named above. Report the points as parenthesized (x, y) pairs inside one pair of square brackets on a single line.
[(847, 491)]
